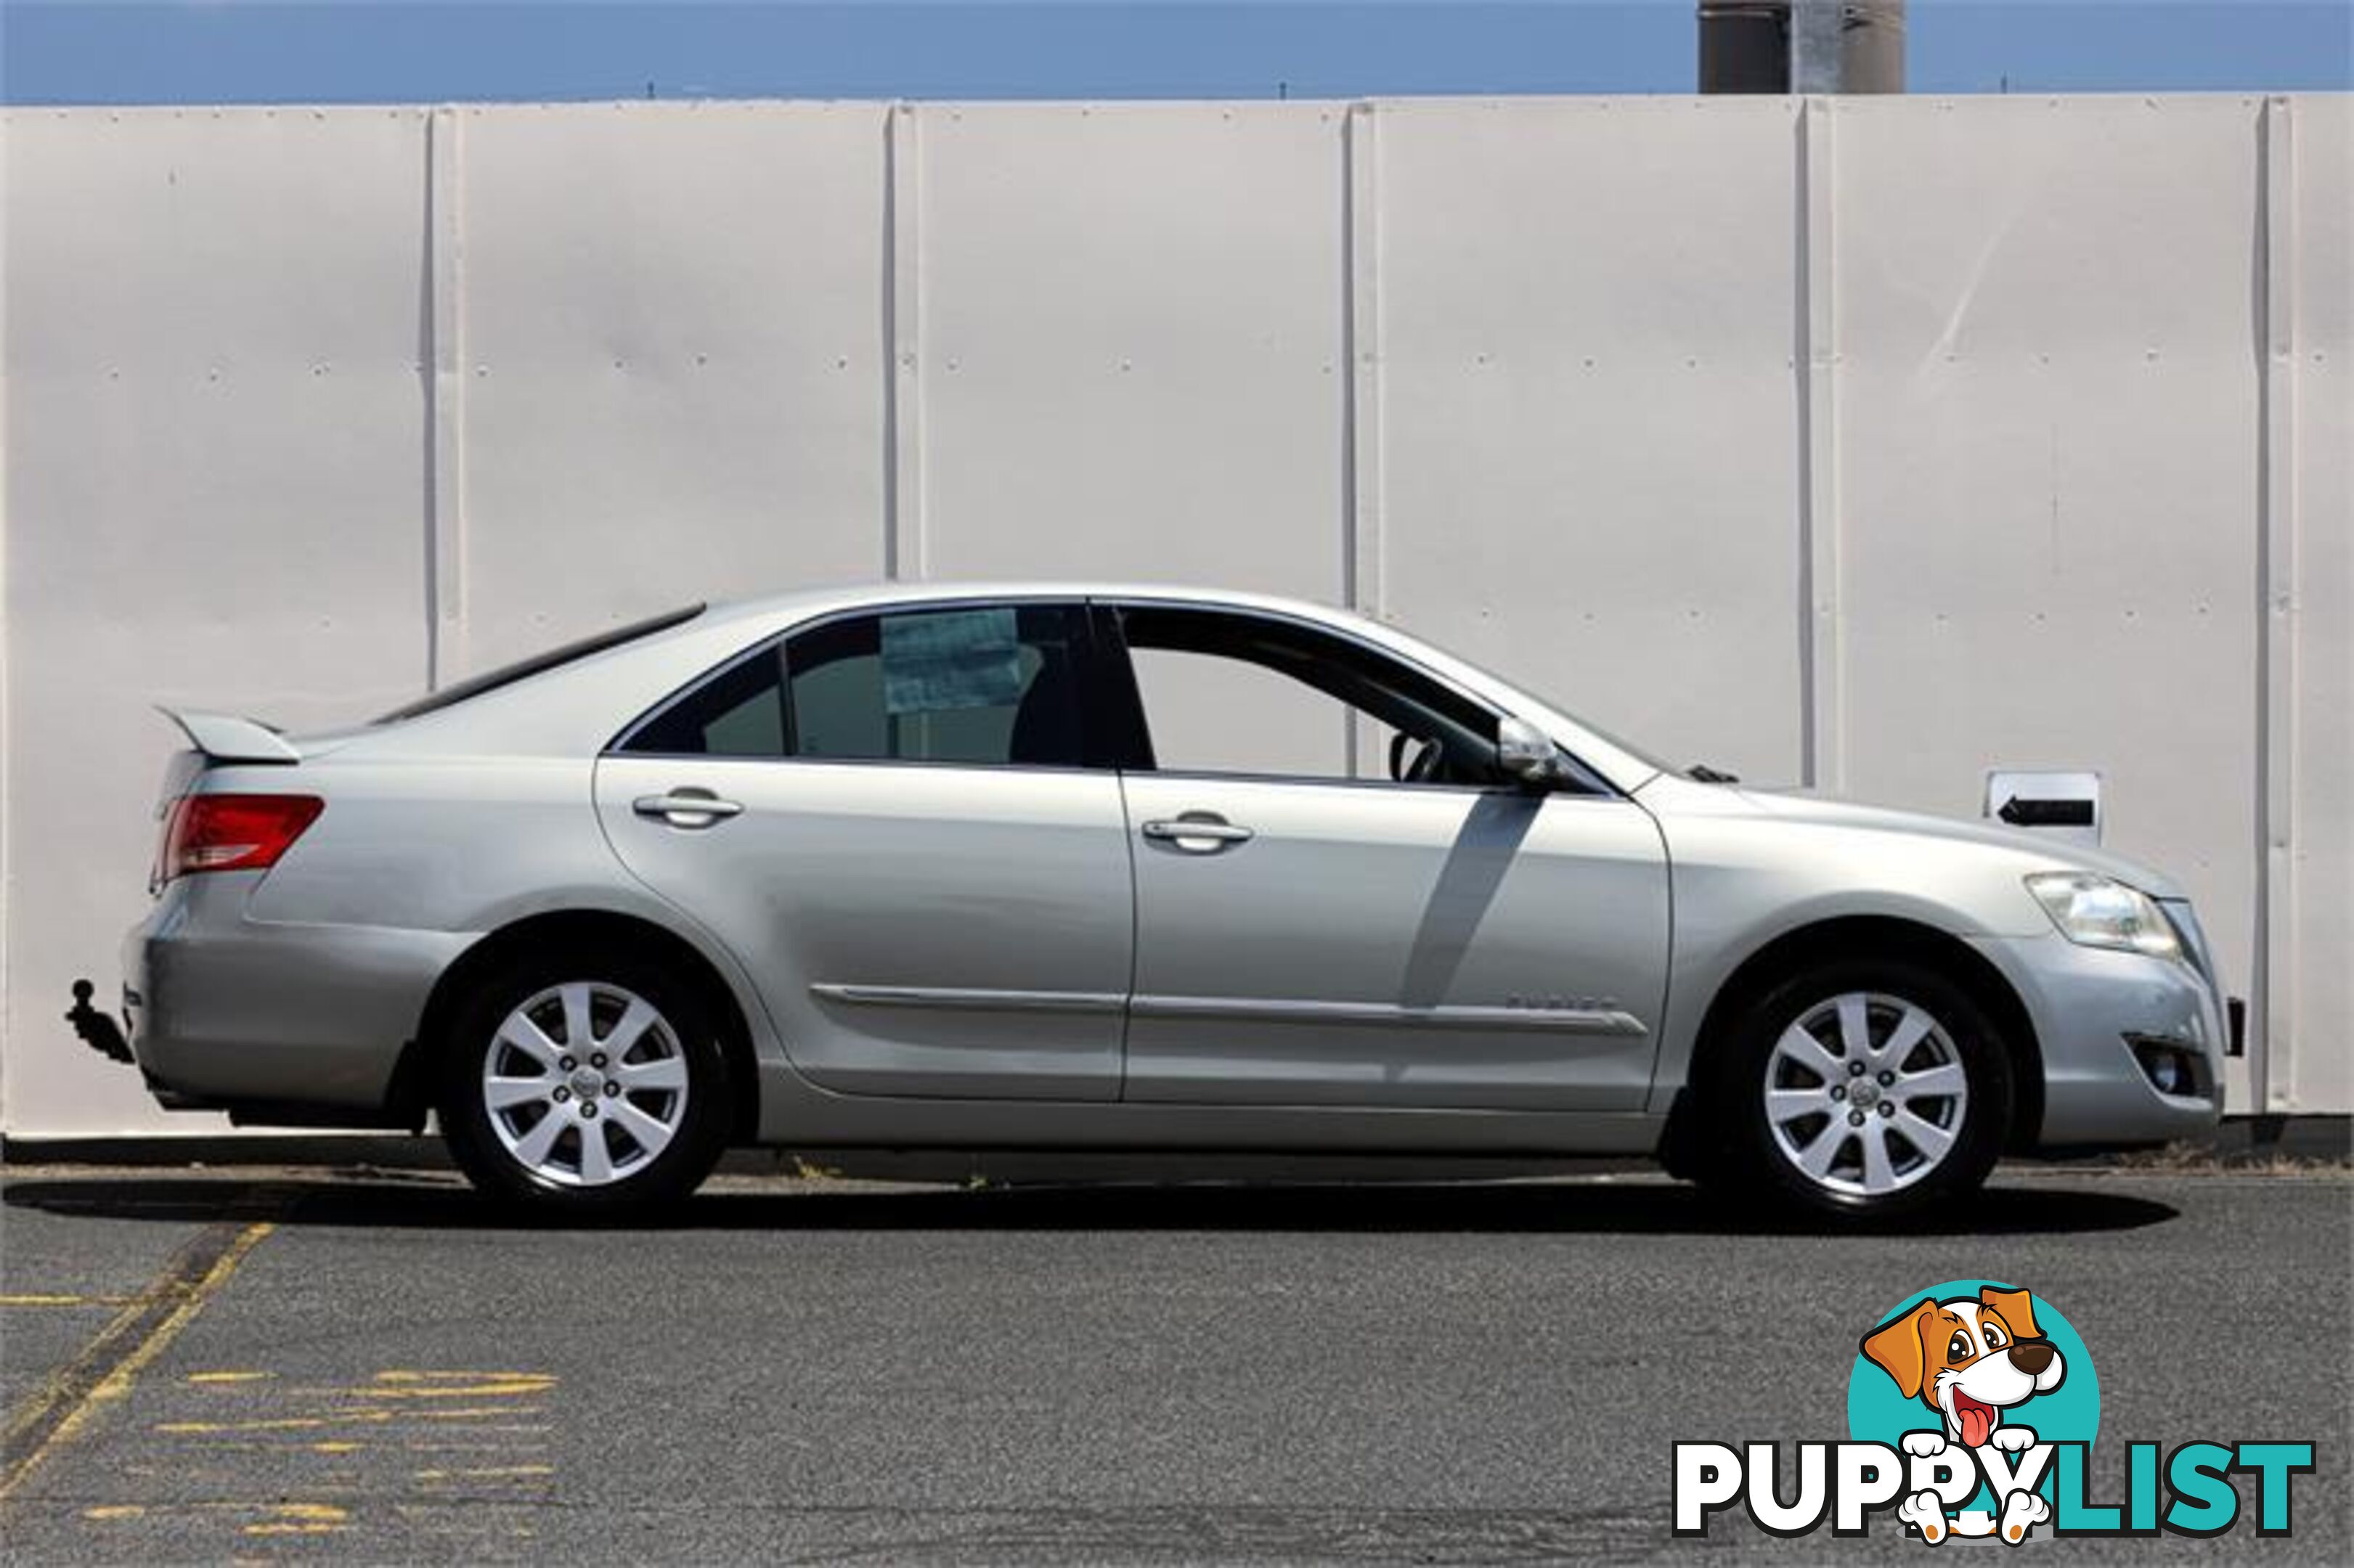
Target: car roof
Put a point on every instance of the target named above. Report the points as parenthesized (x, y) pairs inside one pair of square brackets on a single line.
[(881, 595)]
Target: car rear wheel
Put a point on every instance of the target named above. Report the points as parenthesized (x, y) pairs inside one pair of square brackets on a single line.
[(1863, 1089), (586, 1081)]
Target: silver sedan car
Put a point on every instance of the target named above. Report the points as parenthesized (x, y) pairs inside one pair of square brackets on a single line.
[(1052, 866)]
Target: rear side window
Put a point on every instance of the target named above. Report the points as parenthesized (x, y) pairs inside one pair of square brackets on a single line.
[(982, 686), (740, 712)]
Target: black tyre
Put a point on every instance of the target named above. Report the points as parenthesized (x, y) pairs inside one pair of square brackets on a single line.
[(586, 1081), (1859, 1088)]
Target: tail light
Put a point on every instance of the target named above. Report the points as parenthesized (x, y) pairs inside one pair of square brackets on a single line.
[(234, 832)]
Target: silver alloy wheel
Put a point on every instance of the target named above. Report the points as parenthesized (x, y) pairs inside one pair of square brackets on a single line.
[(1865, 1094), (585, 1084)]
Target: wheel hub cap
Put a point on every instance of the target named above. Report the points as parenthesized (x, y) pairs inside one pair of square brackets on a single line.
[(584, 1126), (1865, 1052)]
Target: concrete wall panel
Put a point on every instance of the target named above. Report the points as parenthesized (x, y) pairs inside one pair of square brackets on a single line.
[(672, 328), (1587, 407), (2318, 1068), (2049, 440), (214, 497), (1129, 339)]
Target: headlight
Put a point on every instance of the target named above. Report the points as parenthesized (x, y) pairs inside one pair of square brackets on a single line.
[(2101, 912)]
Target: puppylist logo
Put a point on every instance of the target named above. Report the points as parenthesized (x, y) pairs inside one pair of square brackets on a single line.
[(1972, 1407)]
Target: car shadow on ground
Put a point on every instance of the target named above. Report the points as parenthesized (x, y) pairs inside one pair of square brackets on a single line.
[(1654, 1207)]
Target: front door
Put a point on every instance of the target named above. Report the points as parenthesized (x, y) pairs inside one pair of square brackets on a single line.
[(898, 823), (1427, 937)]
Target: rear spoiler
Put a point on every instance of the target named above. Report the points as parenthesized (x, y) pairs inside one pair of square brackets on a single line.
[(226, 738)]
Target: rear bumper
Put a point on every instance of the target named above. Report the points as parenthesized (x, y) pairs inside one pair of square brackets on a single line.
[(2088, 1005), (226, 1013)]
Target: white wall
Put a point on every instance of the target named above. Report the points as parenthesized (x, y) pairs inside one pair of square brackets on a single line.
[(1869, 442)]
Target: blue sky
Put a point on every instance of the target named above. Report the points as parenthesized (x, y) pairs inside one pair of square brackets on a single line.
[(123, 51)]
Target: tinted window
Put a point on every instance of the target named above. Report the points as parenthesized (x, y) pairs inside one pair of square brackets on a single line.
[(740, 712), (987, 685)]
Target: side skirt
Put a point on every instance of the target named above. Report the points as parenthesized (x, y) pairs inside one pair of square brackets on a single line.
[(794, 1112)]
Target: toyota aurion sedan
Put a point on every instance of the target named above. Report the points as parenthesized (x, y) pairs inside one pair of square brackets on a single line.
[(1101, 867)]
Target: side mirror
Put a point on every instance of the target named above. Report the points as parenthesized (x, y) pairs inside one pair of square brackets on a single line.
[(1526, 753)]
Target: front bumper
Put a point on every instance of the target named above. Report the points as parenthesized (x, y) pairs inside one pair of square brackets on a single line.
[(227, 1013), (2089, 1005)]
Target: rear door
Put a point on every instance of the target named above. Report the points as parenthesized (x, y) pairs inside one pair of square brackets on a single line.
[(903, 823)]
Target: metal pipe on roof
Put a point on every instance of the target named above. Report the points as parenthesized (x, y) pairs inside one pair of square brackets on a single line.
[(1801, 45)]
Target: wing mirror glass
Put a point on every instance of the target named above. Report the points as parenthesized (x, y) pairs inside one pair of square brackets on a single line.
[(1526, 753)]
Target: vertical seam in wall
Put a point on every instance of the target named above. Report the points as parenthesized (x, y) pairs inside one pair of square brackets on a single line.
[(1801, 388), (1815, 360), (2271, 1062), (7, 741), (1361, 405), (903, 405), (445, 400)]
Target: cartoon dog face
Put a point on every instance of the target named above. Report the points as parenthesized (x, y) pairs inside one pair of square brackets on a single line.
[(1968, 1360)]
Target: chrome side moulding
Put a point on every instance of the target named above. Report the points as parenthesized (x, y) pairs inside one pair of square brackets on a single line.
[(1611, 1021), (974, 999)]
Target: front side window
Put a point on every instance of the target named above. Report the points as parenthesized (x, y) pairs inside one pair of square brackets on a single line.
[(985, 685), (1244, 695)]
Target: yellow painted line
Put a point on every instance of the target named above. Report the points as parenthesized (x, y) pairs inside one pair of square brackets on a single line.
[(302, 1519), (104, 1371), (40, 1298), (400, 1385), (405, 1376), (303, 1528), (362, 1417), (465, 1390), (488, 1473), (229, 1377), (211, 1428), (315, 1511)]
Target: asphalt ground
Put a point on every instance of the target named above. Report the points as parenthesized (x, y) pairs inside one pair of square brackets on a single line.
[(270, 1365)]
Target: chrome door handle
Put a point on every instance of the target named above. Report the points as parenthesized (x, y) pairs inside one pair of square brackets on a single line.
[(686, 808), (1200, 834)]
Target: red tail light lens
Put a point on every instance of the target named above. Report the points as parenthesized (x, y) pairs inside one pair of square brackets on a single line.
[(235, 832)]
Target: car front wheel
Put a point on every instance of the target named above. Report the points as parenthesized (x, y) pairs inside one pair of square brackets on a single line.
[(1863, 1090), (585, 1083)]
